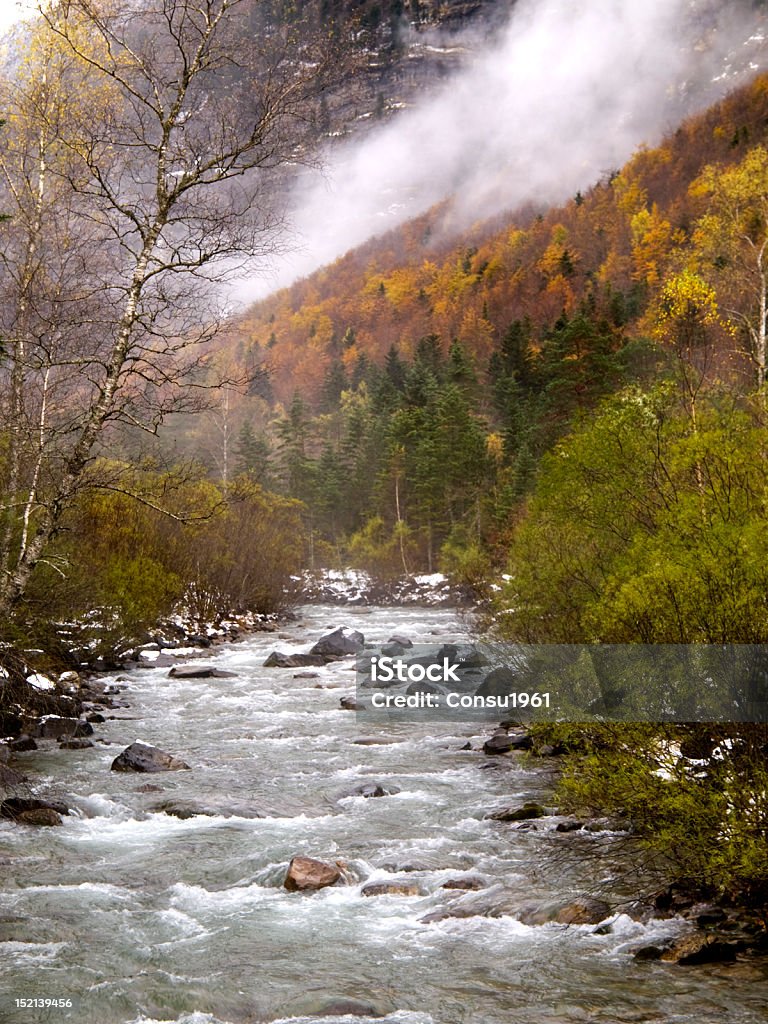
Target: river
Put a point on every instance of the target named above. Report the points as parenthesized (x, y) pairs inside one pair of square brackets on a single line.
[(138, 916)]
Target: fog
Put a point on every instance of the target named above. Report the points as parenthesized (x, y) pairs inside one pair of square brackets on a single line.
[(564, 93)]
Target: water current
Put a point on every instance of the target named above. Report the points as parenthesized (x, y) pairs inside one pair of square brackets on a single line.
[(138, 916)]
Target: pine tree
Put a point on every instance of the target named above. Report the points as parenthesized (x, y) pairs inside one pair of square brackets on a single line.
[(253, 454)]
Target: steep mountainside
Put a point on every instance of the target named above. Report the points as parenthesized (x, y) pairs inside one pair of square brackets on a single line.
[(536, 264)]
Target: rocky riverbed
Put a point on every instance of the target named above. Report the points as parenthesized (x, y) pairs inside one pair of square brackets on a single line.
[(232, 844)]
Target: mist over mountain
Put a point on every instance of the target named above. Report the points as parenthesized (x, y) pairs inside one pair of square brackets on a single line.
[(555, 96)]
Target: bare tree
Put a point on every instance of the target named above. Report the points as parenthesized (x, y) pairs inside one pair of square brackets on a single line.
[(130, 203)]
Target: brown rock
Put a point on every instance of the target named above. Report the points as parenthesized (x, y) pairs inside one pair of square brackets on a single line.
[(526, 812), (700, 948), (583, 910), (39, 816), (469, 884), (306, 875)]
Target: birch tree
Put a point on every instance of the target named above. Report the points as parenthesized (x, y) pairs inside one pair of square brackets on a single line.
[(146, 164)]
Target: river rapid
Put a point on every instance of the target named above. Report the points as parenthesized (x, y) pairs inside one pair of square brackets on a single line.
[(138, 916)]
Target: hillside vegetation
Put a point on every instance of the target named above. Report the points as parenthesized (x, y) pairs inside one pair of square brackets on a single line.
[(416, 385)]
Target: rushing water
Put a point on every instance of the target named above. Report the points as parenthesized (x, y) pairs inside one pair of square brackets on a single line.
[(138, 916)]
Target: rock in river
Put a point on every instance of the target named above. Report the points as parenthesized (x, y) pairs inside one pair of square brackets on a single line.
[(503, 742), (338, 644), (200, 672), (141, 757), (582, 910), (56, 727), (525, 813), (391, 889), (279, 660), (41, 816), (305, 874), (30, 811), (192, 808), (369, 790), (469, 883)]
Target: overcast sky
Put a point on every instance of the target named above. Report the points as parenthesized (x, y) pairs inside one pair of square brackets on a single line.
[(11, 11)]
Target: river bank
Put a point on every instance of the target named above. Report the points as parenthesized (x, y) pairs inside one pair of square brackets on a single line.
[(138, 914)]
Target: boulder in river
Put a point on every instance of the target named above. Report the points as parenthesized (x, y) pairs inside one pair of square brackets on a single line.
[(351, 704), (277, 659), (470, 883), (702, 948), (32, 811), (370, 790), (401, 640), (22, 743), (76, 744), (499, 743), (525, 813), (305, 874), (391, 889), (56, 727), (571, 825), (142, 757), (339, 644), (185, 809), (582, 910), (395, 649), (40, 817), (200, 672), (502, 742)]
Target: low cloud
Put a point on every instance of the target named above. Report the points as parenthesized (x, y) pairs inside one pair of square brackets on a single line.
[(564, 94)]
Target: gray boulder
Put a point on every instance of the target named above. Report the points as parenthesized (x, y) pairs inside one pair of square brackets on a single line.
[(142, 757), (185, 809), (391, 889), (339, 644), (200, 672), (277, 659), (370, 790), (56, 727)]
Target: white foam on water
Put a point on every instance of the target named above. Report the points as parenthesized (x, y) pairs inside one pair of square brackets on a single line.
[(31, 953), (99, 805), (78, 891), (186, 1018), (196, 897), (631, 932), (398, 1017), (184, 923), (145, 831)]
